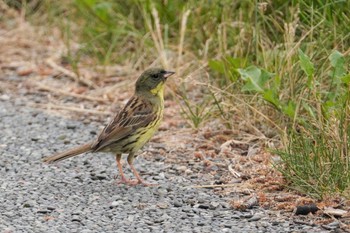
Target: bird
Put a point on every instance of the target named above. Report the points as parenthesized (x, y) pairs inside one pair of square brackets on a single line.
[(132, 127)]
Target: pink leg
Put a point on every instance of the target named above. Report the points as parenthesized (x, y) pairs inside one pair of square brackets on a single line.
[(123, 179), (138, 177)]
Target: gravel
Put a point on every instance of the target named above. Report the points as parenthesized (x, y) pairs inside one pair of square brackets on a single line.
[(81, 194)]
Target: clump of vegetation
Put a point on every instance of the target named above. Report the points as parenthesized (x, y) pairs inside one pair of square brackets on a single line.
[(304, 94), (315, 157)]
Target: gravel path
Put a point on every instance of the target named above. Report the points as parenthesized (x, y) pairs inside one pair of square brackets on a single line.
[(81, 195)]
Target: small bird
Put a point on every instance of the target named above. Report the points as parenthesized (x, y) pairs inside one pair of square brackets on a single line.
[(132, 127)]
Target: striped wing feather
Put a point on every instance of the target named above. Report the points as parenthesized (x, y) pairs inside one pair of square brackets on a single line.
[(137, 113)]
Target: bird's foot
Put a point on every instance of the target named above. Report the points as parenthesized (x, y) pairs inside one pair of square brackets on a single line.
[(135, 182), (124, 180), (138, 182), (146, 184)]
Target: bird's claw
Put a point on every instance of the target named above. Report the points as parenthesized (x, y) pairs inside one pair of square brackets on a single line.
[(135, 182), (123, 180), (146, 184), (126, 181)]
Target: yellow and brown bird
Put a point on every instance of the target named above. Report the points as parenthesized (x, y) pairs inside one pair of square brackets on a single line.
[(132, 127)]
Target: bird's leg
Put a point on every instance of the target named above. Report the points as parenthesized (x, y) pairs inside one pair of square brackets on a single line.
[(138, 177), (123, 179)]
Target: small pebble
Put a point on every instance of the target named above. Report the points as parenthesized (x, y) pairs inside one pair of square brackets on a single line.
[(181, 168), (51, 208), (71, 126), (200, 224), (75, 219), (213, 205), (4, 97), (255, 217), (164, 205), (203, 206), (177, 203), (43, 211)]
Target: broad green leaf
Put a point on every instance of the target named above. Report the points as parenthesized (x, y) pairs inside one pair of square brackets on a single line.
[(102, 10), (308, 67), (289, 109), (265, 76), (272, 98), (255, 78), (306, 63), (337, 62)]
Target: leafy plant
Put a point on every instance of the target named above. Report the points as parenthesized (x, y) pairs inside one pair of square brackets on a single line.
[(315, 115), (315, 159)]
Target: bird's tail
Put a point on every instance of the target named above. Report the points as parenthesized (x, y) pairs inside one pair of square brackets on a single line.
[(69, 153)]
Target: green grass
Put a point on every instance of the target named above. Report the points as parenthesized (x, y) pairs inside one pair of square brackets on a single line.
[(279, 64), (315, 157)]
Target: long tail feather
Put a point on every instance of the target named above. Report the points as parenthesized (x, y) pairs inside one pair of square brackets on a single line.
[(69, 153)]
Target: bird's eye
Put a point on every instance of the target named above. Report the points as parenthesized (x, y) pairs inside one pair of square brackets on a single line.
[(155, 76)]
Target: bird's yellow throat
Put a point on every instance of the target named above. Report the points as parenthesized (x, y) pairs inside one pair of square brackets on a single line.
[(158, 90)]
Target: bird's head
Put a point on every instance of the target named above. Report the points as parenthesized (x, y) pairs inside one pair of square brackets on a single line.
[(152, 81)]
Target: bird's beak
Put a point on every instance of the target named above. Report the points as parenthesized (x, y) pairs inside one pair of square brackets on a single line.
[(168, 74)]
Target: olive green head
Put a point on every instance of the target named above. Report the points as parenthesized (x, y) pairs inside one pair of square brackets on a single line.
[(152, 80)]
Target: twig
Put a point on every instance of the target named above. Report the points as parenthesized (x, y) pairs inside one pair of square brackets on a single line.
[(70, 73), (233, 172), (297, 221), (215, 186), (61, 92)]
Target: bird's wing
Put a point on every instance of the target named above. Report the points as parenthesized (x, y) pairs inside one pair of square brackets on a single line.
[(136, 113)]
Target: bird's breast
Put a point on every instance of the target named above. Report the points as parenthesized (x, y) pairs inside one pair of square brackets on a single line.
[(142, 135)]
